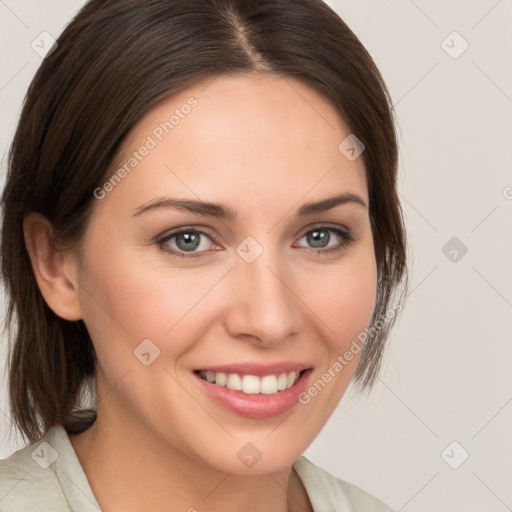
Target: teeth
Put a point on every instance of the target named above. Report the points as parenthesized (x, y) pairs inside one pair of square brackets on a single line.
[(282, 381), (268, 385), (251, 384), (220, 379), (291, 379), (233, 381)]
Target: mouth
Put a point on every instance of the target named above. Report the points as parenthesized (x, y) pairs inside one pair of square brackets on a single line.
[(254, 391), (252, 384)]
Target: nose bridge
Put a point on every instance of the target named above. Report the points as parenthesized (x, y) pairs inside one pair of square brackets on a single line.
[(265, 307)]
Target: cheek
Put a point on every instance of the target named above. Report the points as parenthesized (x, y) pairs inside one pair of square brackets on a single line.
[(351, 302), (344, 304), (345, 297), (128, 298)]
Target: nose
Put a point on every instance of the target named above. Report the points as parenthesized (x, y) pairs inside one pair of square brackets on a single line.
[(263, 305)]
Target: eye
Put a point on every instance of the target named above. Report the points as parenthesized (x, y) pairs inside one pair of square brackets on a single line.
[(320, 236), (186, 242)]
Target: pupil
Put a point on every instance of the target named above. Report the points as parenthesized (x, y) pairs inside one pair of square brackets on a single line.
[(192, 241), (319, 238)]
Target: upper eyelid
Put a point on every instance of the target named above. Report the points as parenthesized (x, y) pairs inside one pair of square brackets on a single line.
[(302, 232)]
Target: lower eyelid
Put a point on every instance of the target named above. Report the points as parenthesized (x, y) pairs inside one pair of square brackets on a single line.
[(165, 239), (345, 235)]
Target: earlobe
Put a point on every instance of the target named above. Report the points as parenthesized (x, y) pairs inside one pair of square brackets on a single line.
[(54, 271)]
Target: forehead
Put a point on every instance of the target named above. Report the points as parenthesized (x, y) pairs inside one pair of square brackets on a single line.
[(260, 137)]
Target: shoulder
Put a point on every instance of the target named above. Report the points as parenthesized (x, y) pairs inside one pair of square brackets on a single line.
[(28, 480), (325, 491)]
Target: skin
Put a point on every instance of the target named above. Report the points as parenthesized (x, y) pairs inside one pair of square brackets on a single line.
[(263, 145)]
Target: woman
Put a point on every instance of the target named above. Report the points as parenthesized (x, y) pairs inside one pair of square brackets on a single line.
[(259, 134)]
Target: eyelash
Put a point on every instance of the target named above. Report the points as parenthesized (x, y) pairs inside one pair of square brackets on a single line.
[(346, 239)]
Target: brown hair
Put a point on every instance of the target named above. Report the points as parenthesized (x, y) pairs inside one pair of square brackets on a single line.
[(113, 63)]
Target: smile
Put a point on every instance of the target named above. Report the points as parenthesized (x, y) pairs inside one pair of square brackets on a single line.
[(255, 391), (252, 384)]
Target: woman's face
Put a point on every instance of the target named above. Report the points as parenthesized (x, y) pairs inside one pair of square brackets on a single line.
[(262, 292)]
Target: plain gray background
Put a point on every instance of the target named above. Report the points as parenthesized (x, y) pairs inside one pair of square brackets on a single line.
[(445, 390)]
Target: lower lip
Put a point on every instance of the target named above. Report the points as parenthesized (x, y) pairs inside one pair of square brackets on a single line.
[(257, 405)]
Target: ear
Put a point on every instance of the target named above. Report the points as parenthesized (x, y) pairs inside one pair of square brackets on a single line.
[(55, 271)]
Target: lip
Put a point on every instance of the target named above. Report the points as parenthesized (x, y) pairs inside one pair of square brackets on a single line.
[(257, 406), (259, 370)]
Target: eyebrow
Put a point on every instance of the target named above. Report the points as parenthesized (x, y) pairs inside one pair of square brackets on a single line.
[(220, 211)]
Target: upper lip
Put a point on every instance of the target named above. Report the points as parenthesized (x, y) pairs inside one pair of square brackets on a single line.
[(259, 370)]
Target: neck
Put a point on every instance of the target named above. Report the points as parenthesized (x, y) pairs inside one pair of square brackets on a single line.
[(129, 469)]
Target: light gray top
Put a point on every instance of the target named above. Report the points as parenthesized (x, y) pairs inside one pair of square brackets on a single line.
[(47, 477)]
